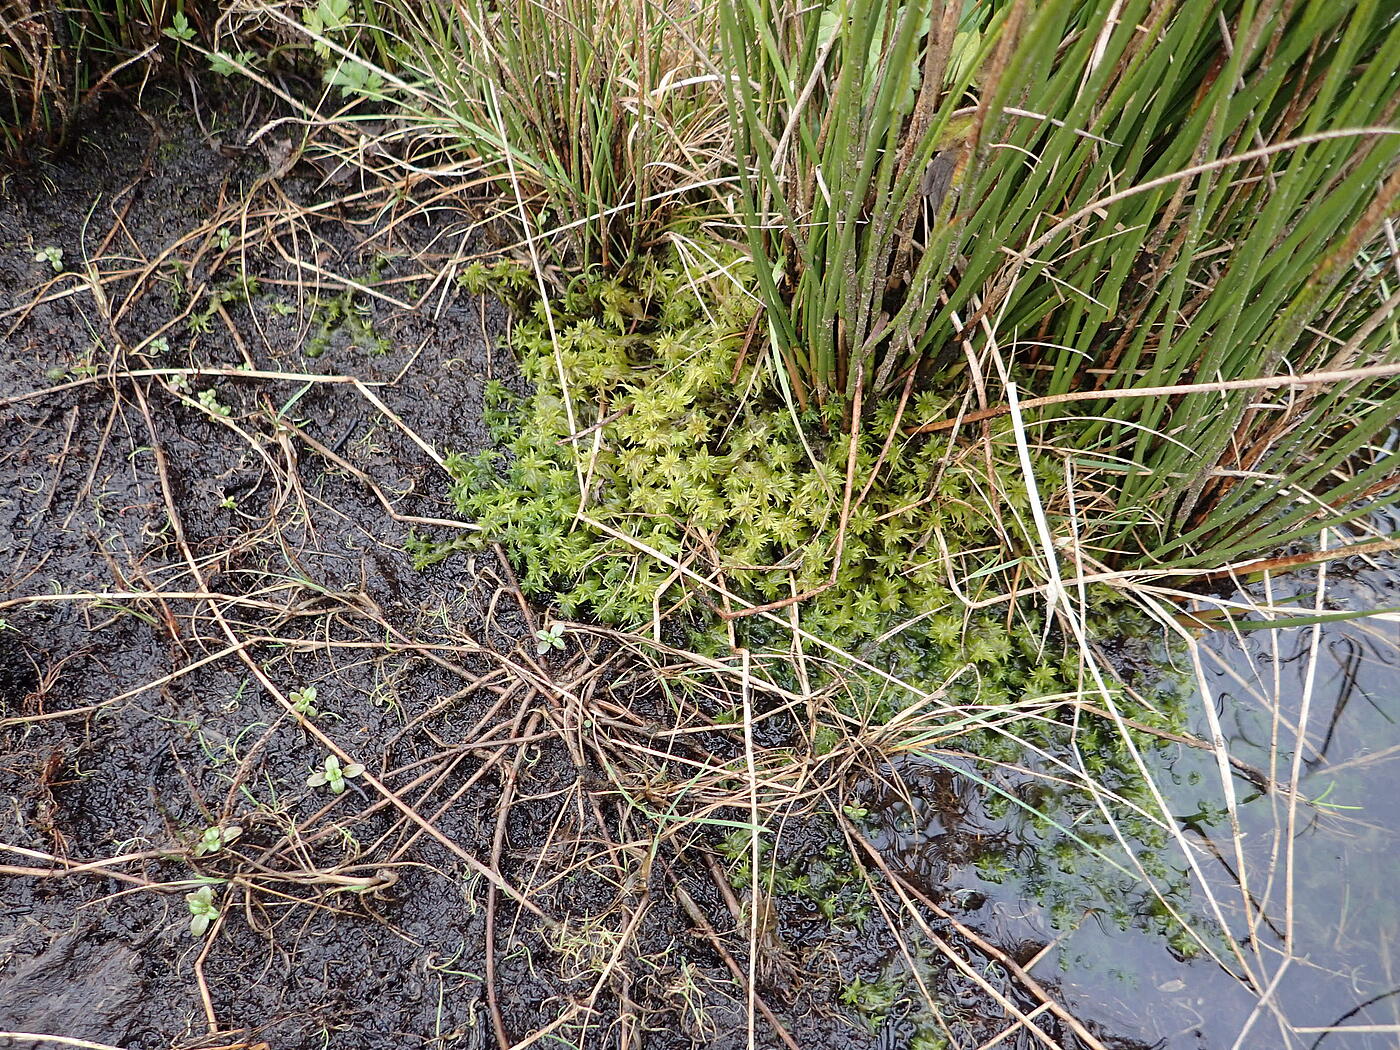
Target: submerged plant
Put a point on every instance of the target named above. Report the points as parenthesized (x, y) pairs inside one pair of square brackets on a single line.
[(872, 999)]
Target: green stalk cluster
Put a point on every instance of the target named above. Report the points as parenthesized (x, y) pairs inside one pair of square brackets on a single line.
[(1121, 195), (1090, 198)]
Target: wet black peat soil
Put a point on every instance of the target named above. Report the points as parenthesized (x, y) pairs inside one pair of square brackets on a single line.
[(196, 529)]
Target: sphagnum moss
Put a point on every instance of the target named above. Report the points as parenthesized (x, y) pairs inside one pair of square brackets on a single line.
[(686, 443)]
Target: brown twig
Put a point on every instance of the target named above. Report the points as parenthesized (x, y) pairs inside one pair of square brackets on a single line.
[(982, 945), (503, 807), (1285, 562), (697, 916)]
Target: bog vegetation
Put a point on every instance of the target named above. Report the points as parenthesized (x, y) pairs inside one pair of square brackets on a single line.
[(877, 324), (1161, 227), (913, 348)]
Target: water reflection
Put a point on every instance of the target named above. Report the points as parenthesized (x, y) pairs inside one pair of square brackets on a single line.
[(1309, 887)]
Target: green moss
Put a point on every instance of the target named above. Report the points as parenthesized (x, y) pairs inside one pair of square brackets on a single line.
[(347, 317), (655, 413), (687, 444)]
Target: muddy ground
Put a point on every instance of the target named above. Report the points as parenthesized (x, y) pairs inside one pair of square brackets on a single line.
[(186, 552)]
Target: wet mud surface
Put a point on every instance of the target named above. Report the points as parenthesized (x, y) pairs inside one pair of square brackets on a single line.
[(132, 724), (203, 520), (1300, 905)]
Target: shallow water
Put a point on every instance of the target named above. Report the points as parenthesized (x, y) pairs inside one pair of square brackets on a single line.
[(1315, 914)]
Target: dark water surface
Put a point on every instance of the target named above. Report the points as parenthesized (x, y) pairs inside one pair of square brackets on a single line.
[(1309, 892)]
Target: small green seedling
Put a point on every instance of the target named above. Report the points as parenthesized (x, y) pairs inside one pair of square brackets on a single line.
[(216, 838), (333, 776), (354, 78), (203, 910), (159, 345), (210, 400), (51, 254), (304, 701), (225, 236), (224, 64), (180, 383), (552, 638), (180, 28), (327, 17)]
